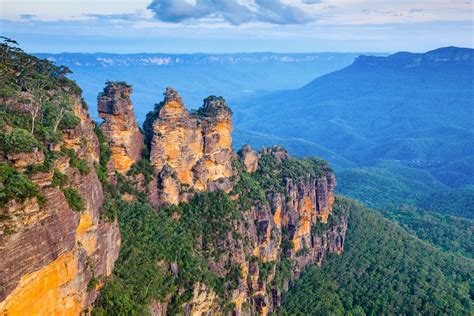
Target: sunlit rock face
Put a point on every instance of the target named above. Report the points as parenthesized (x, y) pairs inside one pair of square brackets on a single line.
[(120, 126), (191, 151), (50, 253), (293, 224)]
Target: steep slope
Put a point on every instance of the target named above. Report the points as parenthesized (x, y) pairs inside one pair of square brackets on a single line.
[(449, 233), (383, 270), (55, 247), (212, 231)]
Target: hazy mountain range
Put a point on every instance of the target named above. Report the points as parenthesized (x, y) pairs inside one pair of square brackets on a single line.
[(386, 123), (197, 76), (402, 125)]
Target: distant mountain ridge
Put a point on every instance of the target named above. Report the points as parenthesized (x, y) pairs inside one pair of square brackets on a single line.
[(434, 58), (414, 110), (196, 75), (163, 59)]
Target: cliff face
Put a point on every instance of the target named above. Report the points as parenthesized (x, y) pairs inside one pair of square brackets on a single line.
[(286, 223), (292, 227), (52, 256), (250, 224), (120, 126), (191, 152), (285, 218)]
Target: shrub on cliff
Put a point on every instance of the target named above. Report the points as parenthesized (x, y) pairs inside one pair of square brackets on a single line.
[(14, 185), (74, 199), (19, 140), (76, 162)]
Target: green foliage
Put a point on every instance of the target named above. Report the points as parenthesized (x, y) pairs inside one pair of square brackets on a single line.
[(314, 295), (19, 140), (78, 163), (384, 270), (247, 188), (391, 185), (109, 209), (187, 234), (283, 272), (45, 111), (74, 199), (273, 172), (118, 83), (59, 179), (148, 123), (104, 158), (18, 69), (458, 202), (59, 114), (265, 269), (144, 167), (14, 185), (92, 283), (449, 233), (69, 121)]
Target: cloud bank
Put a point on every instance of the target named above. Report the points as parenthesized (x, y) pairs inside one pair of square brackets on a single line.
[(234, 12)]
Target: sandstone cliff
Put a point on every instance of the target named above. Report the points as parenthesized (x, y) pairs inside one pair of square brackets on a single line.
[(283, 218), (289, 227), (120, 126), (55, 248), (190, 151), (226, 234)]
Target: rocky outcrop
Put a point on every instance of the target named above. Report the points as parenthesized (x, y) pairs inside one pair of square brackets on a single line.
[(51, 255), (249, 158), (190, 151), (120, 126), (271, 217), (291, 226)]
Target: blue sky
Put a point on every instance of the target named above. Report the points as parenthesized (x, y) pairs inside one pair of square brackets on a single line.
[(186, 26)]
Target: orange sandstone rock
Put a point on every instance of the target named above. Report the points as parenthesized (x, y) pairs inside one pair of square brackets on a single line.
[(190, 151), (120, 126)]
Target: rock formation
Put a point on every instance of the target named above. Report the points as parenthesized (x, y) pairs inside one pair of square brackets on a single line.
[(288, 225), (60, 239), (249, 158), (292, 226), (120, 126), (50, 254), (190, 151)]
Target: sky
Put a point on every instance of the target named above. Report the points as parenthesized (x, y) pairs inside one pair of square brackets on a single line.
[(227, 26)]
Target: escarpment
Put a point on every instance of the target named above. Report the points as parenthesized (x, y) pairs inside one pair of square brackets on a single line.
[(270, 215), (55, 249), (120, 126), (56, 245), (203, 230), (288, 225)]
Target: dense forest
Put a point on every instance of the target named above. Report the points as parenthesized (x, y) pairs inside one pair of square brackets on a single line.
[(388, 184), (384, 270)]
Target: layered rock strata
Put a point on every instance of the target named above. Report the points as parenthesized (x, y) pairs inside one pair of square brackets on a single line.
[(53, 259), (292, 227), (120, 126), (190, 151)]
